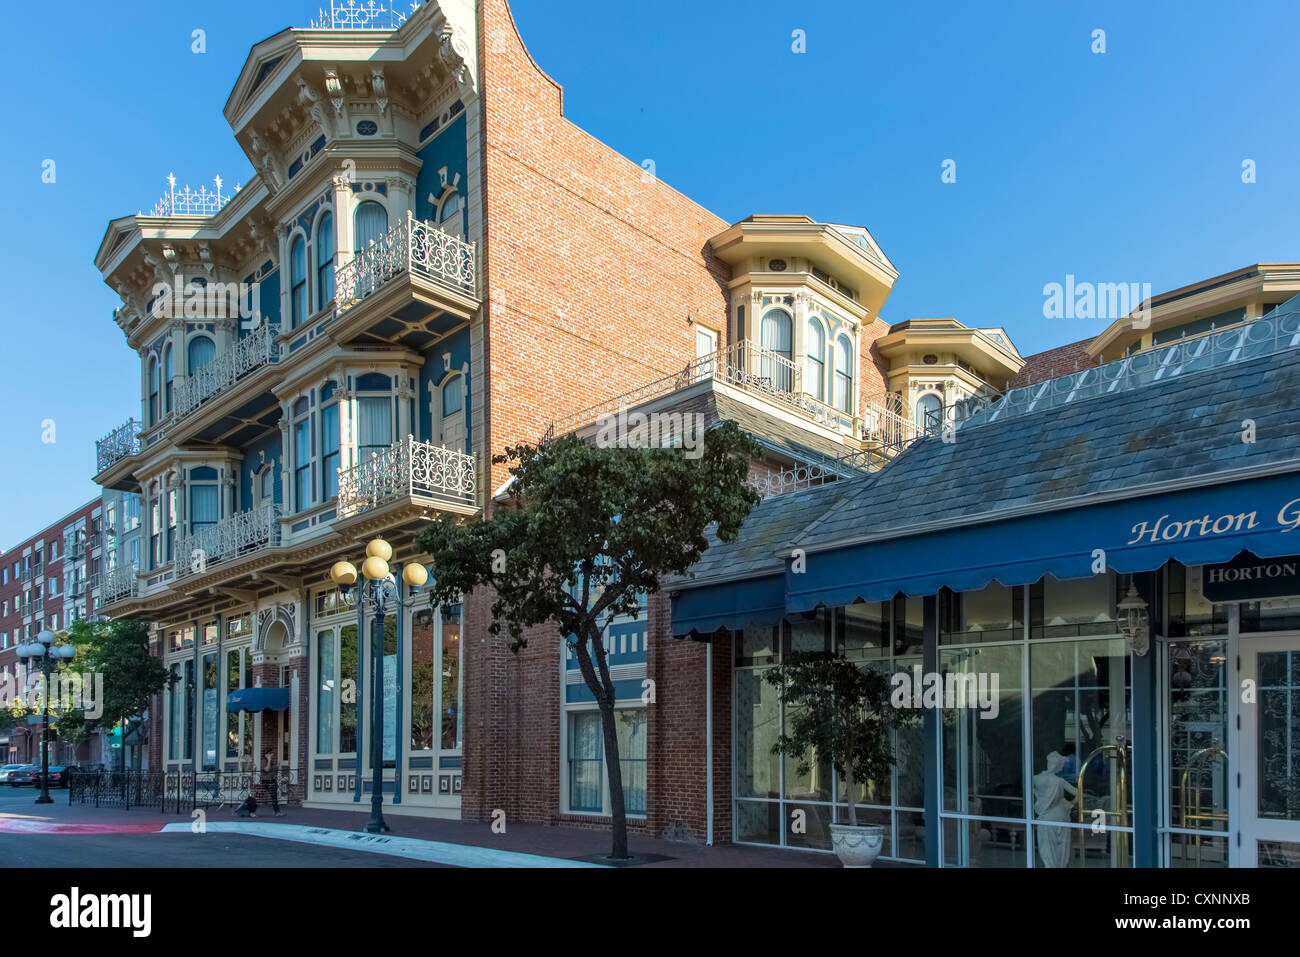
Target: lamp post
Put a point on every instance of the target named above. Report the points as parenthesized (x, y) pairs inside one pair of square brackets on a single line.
[(44, 652), (378, 587)]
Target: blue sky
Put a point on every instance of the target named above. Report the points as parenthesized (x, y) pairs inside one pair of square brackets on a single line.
[(1123, 166)]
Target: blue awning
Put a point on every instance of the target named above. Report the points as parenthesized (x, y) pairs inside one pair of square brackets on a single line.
[(258, 699), (730, 605), (1197, 526)]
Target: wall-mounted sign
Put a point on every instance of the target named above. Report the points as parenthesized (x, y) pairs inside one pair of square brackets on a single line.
[(1247, 578)]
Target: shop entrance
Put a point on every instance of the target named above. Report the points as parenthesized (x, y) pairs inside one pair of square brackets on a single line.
[(1270, 747)]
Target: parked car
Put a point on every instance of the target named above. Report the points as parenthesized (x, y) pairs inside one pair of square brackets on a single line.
[(58, 776), (4, 771), (23, 774)]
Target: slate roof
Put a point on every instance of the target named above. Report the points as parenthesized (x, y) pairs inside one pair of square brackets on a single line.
[(1184, 428)]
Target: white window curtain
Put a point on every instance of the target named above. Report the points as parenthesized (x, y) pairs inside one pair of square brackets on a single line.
[(375, 420), (453, 395), (370, 225), (203, 506), (775, 337), (585, 759), (201, 351), (815, 360), (843, 374)]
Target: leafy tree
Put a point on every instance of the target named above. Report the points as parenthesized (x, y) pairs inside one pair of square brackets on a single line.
[(119, 651), (592, 531), (838, 711)]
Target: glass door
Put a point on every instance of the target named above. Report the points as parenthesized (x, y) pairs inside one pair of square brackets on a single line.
[(1270, 740)]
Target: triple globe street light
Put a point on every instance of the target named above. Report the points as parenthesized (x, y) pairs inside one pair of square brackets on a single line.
[(378, 587), (43, 653)]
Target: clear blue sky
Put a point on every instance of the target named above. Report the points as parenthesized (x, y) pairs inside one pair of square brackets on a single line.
[(1115, 167)]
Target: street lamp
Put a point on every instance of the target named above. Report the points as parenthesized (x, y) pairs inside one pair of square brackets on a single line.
[(379, 586), (44, 652)]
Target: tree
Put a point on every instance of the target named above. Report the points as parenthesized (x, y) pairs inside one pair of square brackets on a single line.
[(119, 651), (588, 532), (838, 711)]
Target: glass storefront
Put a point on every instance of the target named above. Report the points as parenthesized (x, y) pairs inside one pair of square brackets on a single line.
[(774, 803)]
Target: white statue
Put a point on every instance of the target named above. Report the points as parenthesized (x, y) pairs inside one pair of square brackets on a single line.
[(1051, 804)]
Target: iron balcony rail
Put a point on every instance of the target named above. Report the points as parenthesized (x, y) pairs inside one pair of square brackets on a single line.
[(408, 469), (74, 544), (121, 443), (233, 537), (119, 582), (744, 365), (32, 571), (253, 351), (416, 247), (1252, 340)]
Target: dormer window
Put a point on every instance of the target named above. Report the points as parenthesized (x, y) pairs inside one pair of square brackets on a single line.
[(815, 360), (929, 412), (843, 386)]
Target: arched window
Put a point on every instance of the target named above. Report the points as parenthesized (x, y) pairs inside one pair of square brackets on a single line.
[(775, 337), (297, 283), (200, 352), (167, 368), (843, 387), (324, 260), (929, 413), (153, 390), (452, 428), (370, 224), (453, 395), (815, 360), (450, 219)]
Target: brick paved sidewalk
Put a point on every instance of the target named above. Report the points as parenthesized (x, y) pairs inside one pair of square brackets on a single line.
[(551, 841)]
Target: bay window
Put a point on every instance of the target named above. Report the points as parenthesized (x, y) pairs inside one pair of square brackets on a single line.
[(324, 260), (329, 445), (842, 396), (297, 283), (815, 360)]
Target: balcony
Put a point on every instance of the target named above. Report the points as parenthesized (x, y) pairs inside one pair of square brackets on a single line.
[(31, 572), (230, 538), (411, 471), (743, 365), (416, 248), (252, 352), (121, 443), (74, 545), (121, 582)]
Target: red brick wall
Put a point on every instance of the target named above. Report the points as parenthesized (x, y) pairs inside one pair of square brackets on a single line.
[(873, 368), (592, 266), (1063, 360)]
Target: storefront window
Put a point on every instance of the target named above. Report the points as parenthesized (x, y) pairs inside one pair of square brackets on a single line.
[(232, 717), (1198, 752), (422, 687), (451, 711), (1190, 615), (588, 785), (1271, 614), (983, 748), (188, 753), (176, 693), (326, 677), (348, 679), (1073, 609), (862, 630), (211, 711), (1081, 725), (994, 613)]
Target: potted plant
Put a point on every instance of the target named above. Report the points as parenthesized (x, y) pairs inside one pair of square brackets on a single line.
[(840, 712)]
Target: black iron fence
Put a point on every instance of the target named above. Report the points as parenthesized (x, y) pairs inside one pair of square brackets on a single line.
[(179, 792)]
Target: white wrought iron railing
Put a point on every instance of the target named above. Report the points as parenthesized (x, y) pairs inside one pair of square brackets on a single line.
[(255, 350), (233, 537), (121, 443), (408, 469), (744, 365), (191, 202), (415, 246), (120, 582), (363, 15)]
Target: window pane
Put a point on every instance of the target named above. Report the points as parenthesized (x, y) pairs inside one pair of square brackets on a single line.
[(371, 224), (203, 506), (758, 725), (451, 680), (982, 751), (348, 679), (421, 716), (585, 750), (329, 443), (375, 424), (210, 712), (326, 677), (1198, 735), (232, 717), (630, 726)]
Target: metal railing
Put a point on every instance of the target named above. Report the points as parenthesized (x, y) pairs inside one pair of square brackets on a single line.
[(250, 353), (120, 582), (416, 247), (232, 537), (74, 544), (408, 469), (1252, 340), (183, 791), (744, 365), (32, 571)]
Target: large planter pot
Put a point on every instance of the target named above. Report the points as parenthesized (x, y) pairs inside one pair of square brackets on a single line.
[(857, 846)]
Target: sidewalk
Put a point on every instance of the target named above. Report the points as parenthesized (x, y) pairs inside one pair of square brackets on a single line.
[(570, 844)]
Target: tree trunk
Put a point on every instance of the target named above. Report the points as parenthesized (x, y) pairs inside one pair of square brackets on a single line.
[(615, 773)]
